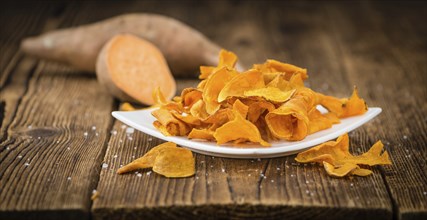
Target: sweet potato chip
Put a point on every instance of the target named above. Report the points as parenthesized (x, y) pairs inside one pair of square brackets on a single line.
[(166, 159), (251, 79), (215, 83), (276, 66), (126, 106), (289, 121), (238, 129), (226, 59), (317, 121), (147, 161), (201, 134), (270, 93), (338, 161), (175, 162), (354, 105), (190, 96), (171, 124)]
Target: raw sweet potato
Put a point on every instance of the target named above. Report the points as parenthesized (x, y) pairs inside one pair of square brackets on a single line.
[(184, 48), (132, 68)]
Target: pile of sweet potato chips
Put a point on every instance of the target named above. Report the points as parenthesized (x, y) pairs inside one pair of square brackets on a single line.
[(265, 103)]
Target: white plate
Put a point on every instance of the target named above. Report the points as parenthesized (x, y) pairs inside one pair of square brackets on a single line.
[(143, 120)]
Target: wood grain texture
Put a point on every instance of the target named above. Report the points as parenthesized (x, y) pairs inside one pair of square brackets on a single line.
[(48, 166), (383, 52), (396, 76)]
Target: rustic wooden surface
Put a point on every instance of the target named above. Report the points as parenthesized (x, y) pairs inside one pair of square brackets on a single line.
[(58, 141)]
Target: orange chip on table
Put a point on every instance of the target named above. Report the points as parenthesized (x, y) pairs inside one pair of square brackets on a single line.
[(166, 159), (338, 161)]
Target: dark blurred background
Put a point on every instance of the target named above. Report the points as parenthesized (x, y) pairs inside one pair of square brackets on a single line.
[(255, 30)]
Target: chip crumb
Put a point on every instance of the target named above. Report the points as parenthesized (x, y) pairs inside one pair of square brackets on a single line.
[(95, 194)]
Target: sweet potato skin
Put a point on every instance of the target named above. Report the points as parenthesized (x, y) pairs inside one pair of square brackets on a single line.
[(184, 48), (132, 68)]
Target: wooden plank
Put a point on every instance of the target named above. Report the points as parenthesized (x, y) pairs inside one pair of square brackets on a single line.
[(386, 54), (50, 159), (227, 188), (49, 167)]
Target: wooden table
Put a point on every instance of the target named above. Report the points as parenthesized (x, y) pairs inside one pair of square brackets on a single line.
[(49, 168)]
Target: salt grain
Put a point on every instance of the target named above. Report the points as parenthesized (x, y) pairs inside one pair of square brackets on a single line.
[(223, 170), (104, 166), (148, 173), (68, 148), (259, 159), (308, 192), (115, 156), (278, 168), (69, 178), (351, 184), (85, 134), (425, 193), (249, 174), (93, 128), (130, 130), (123, 126), (138, 175), (19, 156), (292, 175), (7, 148), (307, 182), (39, 138), (150, 139), (113, 132), (405, 137), (30, 126), (272, 181), (26, 164)]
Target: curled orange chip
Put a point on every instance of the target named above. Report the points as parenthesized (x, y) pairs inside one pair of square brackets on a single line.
[(171, 124), (189, 96), (271, 93), (201, 134), (215, 83), (147, 160), (318, 121), (226, 59), (166, 159), (175, 162), (239, 129), (354, 105), (289, 121), (276, 66), (336, 155), (251, 79)]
